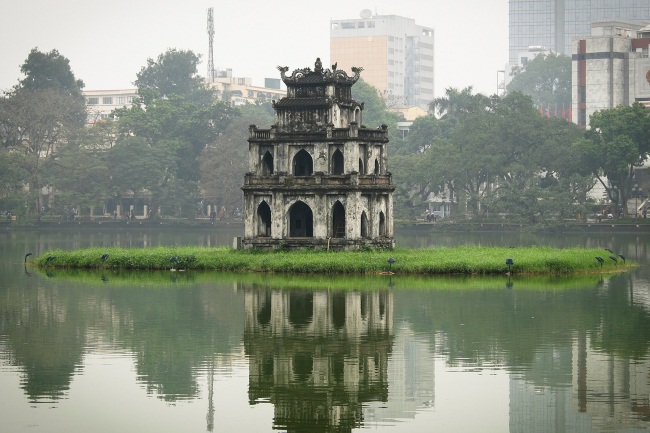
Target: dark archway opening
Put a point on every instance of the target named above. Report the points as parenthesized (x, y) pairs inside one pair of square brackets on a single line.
[(376, 166), (267, 164), (303, 165), (337, 162), (361, 169), (301, 221), (264, 220), (338, 220), (382, 224), (364, 225)]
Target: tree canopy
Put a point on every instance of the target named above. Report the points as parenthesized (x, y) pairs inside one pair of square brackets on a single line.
[(546, 79), (618, 141)]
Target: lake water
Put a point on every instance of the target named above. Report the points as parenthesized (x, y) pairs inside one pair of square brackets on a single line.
[(93, 351)]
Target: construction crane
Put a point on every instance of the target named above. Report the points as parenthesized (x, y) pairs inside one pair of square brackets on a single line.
[(210, 75)]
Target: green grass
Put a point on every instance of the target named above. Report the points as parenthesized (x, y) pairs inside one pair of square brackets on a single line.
[(463, 260)]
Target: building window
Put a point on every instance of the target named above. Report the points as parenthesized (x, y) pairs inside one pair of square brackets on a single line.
[(361, 25), (338, 220), (130, 99), (302, 164), (264, 219), (337, 162), (347, 25), (121, 100), (107, 100), (93, 101), (371, 24)]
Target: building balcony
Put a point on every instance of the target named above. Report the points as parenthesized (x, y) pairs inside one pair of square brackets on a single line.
[(326, 133), (316, 181)]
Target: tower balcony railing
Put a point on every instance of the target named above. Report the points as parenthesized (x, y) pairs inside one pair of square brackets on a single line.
[(318, 179), (352, 132)]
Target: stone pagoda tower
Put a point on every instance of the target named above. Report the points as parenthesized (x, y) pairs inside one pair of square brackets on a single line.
[(318, 177)]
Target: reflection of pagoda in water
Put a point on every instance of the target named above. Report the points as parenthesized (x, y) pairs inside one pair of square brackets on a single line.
[(317, 356)]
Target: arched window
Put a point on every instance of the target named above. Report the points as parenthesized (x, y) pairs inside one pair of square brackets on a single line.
[(382, 224), (364, 225), (337, 162), (264, 220), (361, 170), (267, 164), (376, 166), (301, 220), (302, 164), (338, 220)]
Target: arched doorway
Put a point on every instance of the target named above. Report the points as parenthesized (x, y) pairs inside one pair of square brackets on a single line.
[(267, 164), (264, 220), (382, 224), (364, 225), (338, 220), (301, 220), (303, 164), (337, 162)]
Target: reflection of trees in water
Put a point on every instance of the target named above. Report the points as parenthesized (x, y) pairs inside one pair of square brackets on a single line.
[(174, 332), (592, 341), (332, 357), (319, 356), (46, 335)]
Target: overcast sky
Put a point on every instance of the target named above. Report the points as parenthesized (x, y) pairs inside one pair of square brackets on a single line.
[(108, 42)]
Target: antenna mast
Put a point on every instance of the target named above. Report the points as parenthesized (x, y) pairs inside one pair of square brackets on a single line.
[(210, 76)]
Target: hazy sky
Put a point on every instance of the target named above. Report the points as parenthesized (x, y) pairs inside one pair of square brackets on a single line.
[(108, 42)]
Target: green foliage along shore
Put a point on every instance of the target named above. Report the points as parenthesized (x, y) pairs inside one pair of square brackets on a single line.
[(463, 260)]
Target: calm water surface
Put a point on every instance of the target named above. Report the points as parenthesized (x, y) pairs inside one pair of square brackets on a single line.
[(194, 352)]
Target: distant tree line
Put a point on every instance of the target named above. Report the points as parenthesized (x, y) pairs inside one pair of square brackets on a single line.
[(179, 145)]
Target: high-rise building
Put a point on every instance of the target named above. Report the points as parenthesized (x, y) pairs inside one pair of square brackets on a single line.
[(610, 67), (554, 24), (395, 53)]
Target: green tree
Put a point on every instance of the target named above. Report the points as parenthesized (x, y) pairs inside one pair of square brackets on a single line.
[(141, 170), (375, 110), (12, 179), (172, 73), (224, 162), (80, 176), (177, 113), (49, 71), (39, 114), (546, 79), (421, 134), (619, 140), (456, 105)]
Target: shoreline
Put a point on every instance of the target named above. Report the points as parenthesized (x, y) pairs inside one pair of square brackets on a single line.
[(462, 260)]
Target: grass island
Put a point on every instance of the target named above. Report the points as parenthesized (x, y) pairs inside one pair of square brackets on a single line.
[(461, 260)]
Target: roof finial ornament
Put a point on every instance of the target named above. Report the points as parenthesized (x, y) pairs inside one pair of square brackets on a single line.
[(283, 70), (318, 66), (334, 66)]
